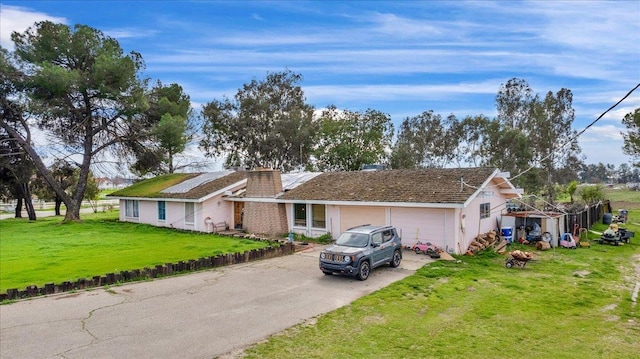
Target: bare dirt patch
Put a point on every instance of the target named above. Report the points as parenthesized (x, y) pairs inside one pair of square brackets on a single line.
[(625, 204)]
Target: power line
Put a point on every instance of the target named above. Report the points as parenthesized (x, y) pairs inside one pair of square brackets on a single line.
[(579, 133), (567, 142)]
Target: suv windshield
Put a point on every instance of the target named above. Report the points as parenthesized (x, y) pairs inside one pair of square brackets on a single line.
[(353, 239)]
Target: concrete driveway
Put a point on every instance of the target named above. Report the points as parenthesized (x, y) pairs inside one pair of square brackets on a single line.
[(201, 315)]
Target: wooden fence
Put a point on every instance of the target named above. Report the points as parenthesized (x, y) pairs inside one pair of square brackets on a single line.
[(280, 248), (588, 217)]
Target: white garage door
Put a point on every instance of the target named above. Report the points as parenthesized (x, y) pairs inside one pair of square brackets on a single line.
[(357, 216), (420, 224)]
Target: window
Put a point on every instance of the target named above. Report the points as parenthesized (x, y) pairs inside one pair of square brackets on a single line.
[(131, 208), (189, 212), (162, 210), (376, 238), (319, 219), (300, 214), (485, 210)]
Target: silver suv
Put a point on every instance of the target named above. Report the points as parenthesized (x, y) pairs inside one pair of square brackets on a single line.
[(360, 249)]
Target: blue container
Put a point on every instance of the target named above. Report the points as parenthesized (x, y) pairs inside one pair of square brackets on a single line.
[(507, 233)]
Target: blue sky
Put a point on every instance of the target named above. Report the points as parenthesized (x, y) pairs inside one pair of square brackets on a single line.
[(399, 57)]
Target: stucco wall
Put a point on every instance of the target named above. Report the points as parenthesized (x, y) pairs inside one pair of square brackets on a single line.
[(475, 225), (218, 210)]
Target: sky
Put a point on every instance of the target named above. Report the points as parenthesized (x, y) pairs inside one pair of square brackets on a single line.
[(398, 57)]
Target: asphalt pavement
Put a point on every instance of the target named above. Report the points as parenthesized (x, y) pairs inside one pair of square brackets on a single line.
[(42, 213), (214, 313)]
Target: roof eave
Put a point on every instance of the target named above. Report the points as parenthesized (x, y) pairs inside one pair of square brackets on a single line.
[(349, 203)]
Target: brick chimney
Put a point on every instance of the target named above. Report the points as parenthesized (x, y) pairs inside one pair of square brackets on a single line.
[(264, 217)]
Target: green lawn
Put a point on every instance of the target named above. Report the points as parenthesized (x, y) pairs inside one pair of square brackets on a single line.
[(50, 251), (622, 198), (567, 304)]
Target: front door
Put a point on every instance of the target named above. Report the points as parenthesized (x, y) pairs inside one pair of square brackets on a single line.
[(238, 214)]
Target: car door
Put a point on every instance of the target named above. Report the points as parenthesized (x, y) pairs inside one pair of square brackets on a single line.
[(377, 251), (387, 246)]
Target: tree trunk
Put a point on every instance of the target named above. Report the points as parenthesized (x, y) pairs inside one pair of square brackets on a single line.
[(19, 207), (58, 204), (73, 211), (28, 203), (171, 169)]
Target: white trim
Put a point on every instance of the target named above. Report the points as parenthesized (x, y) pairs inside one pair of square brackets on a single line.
[(157, 199), (349, 203), (222, 191)]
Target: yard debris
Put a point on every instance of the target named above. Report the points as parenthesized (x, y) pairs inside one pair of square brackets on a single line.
[(446, 256), (521, 255), (543, 246), (501, 247), (584, 244), (482, 242)]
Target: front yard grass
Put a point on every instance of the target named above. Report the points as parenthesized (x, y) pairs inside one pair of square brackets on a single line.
[(566, 304), (51, 251)]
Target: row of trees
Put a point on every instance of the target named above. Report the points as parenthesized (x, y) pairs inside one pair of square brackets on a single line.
[(268, 123), (609, 174), (76, 87)]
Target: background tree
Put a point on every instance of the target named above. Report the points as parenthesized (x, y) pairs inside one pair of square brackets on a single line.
[(591, 194), (267, 124), (625, 173), (420, 142), (509, 150), (16, 167), (83, 93), (572, 187), (170, 129), (469, 135), (545, 126), (92, 193), (16, 173), (593, 173), (513, 103), (632, 137), (66, 175), (555, 143), (348, 140)]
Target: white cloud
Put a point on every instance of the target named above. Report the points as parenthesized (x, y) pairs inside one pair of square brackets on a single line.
[(603, 144), (130, 32), (15, 18), (400, 92)]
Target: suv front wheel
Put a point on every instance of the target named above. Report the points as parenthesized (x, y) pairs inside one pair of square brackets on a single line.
[(363, 270)]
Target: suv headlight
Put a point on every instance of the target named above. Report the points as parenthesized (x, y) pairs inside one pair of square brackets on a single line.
[(322, 255), (347, 259)]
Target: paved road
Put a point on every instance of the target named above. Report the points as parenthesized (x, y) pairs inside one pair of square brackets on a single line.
[(201, 315), (43, 213)]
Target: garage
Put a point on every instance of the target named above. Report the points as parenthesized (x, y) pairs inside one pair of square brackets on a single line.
[(420, 224), (352, 216)]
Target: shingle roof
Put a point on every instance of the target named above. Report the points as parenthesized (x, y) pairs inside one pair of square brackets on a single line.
[(438, 185)]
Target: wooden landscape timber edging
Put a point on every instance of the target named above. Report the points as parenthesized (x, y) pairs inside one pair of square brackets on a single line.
[(281, 249)]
